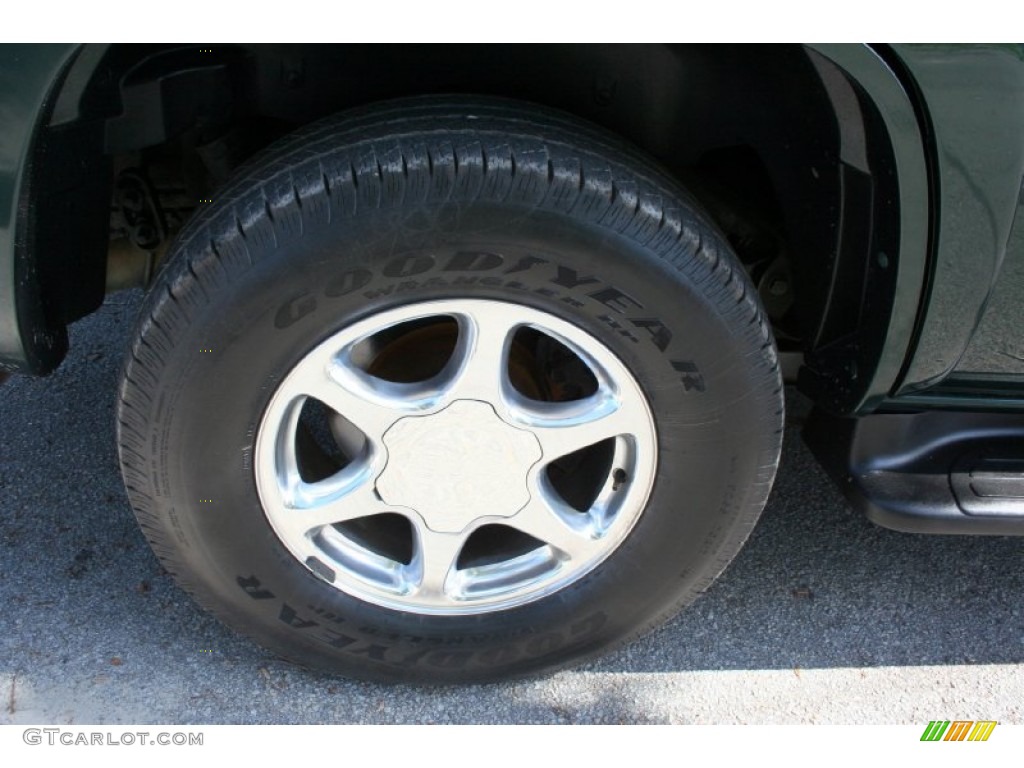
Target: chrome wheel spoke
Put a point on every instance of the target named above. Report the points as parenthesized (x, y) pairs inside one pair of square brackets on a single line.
[(478, 367), (333, 501), (434, 561), (550, 520), (565, 428), (371, 407)]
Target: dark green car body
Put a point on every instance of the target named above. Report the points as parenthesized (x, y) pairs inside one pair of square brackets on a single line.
[(897, 174)]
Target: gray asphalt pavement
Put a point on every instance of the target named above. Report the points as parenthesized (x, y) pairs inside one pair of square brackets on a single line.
[(822, 618)]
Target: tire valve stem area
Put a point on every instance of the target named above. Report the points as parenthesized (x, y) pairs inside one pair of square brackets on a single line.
[(619, 479)]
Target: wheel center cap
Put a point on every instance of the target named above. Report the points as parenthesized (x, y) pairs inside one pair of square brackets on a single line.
[(457, 465)]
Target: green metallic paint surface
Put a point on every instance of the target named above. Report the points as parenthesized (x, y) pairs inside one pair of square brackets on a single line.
[(997, 347), (27, 74), (975, 99), (967, 318)]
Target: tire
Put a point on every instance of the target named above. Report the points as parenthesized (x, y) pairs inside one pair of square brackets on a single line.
[(511, 356)]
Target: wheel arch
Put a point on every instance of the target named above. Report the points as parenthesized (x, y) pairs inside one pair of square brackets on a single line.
[(814, 145)]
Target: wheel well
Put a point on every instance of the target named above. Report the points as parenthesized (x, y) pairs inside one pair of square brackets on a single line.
[(787, 155)]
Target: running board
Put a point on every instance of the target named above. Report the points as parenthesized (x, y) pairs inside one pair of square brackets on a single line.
[(934, 472)]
